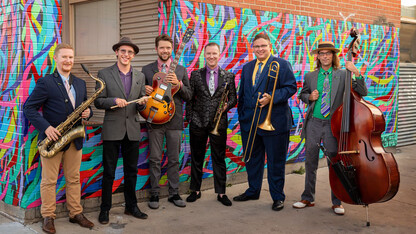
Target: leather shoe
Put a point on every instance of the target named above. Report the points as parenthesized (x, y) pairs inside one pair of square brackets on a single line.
[(338, 209), (103, 218), (82, 221), (136, 213), (193, 196), (302, 204), (224, 200), (244, 197), (278, 205), (48, 225)]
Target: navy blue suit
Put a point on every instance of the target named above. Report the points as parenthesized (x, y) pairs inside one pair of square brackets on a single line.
[(273, 143), (50, 94)]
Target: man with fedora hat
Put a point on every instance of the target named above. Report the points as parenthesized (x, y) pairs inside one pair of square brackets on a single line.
[(323, 93), (121, 127)]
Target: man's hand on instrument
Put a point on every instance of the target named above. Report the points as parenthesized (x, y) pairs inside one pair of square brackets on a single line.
[(171, 78), (225, 107), (314, 95), (86, 113), (143, 100), (52, 133), (265, 99), (121, 102), (149, 89), (351, 67)]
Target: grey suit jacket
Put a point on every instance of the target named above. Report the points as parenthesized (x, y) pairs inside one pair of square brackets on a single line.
[(119, 121), (183, 95), (201, 110), (337, 91)]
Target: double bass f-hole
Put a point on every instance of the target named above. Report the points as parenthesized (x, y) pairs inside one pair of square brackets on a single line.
[(363, 148)]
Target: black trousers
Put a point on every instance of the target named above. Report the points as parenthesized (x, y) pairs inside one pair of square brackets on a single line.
[(198, 140), (130, 154)]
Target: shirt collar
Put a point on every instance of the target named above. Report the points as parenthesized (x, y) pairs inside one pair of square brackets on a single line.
[(63, 77), (215, 69), (160, 62), (263, 61), (322, 71)]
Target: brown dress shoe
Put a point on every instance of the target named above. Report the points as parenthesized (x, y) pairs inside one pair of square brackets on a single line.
[(48, 226), (82, 221)]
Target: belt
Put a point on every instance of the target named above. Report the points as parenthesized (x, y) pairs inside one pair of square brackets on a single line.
[(320, 120)]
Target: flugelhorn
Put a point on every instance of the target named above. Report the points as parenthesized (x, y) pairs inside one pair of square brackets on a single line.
[(266, 125), (218, 114)]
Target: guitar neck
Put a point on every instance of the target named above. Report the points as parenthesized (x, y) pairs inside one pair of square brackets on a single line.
[(175, 62)]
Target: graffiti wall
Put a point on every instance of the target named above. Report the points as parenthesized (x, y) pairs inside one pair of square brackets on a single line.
[(31, 29)]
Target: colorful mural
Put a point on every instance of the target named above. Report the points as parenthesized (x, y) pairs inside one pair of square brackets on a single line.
[(31, 29)]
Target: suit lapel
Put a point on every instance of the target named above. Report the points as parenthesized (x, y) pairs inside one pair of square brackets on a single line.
[(134, 83), (58, 81), (203, 76), (117, 79), (336, 78), (77, 87)]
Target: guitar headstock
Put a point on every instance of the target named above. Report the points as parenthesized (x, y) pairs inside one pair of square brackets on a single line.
[(354, 46), (188, 33)]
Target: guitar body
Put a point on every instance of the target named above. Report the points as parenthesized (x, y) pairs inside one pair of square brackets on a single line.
[(160, 108)]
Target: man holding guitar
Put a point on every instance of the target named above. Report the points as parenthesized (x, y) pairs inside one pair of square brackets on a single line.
[(157, 81)]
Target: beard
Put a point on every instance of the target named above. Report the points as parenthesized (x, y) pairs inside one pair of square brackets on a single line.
[(164, 59)]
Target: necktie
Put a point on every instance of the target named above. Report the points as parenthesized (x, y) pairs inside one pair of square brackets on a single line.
[(211, 83), (68, 90), (164, 68), (325, 104), (258, 73)]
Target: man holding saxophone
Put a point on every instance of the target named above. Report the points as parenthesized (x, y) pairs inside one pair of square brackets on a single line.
[(59, 94), (257, 90), (213, 95)]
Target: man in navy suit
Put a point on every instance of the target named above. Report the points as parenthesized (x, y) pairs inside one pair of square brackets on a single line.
[(59, 94), (273, 143)]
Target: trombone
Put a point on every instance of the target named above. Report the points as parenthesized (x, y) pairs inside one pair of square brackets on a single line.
[(266, 125)]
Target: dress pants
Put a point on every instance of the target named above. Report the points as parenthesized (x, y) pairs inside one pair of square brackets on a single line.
[(198, 140), (130, 154), (317, 130), (173, 145), (71, 163), (275, 146)]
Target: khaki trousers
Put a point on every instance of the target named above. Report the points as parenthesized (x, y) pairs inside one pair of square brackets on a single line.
[(71, 162)]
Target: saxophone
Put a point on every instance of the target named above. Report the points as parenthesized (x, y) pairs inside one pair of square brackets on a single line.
[(49, 148)]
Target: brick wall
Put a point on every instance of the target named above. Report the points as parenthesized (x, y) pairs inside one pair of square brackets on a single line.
[(368, 12)]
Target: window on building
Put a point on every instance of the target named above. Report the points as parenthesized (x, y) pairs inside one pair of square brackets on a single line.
[(95, 26), (409, 9)]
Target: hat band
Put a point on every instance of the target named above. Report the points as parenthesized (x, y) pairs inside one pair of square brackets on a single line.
[(326, 46)]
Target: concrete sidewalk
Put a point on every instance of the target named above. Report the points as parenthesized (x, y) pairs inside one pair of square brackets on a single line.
[(207, 215)]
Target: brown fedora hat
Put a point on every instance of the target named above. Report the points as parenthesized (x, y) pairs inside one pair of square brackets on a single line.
[(325, 45), (126, 41)]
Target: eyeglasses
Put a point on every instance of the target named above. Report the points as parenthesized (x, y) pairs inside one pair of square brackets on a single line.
[(129, 52), (325, 53), (257, 47)]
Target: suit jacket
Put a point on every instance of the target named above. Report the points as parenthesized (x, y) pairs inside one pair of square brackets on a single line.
[(119, 121), (183, 95), (337, 90), (281, 116), (201, 109), (50, 94)]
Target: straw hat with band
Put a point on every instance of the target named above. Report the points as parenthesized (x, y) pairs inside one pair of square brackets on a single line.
[(325, 45), (128, 42)]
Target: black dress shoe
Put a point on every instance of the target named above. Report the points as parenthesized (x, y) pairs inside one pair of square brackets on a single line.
[(278, 205), (224, 200), (193, 197), (103, 217), (244, 197), (136, 213)]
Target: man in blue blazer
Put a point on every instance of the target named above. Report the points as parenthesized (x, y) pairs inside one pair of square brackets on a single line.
[(58, 95), (254, 78)]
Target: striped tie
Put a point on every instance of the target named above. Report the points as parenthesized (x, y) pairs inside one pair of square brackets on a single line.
[(325, 105), (258, 74)]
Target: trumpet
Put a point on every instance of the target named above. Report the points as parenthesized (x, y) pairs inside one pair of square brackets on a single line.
[(266, 125), (218, 114)]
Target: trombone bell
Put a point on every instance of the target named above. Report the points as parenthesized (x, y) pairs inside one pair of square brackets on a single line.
[(267, 125)]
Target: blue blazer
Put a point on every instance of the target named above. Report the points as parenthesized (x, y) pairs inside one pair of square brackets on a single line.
[(281, 116), (50, 94)]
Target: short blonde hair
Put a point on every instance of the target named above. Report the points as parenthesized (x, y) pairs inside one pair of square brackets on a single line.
[(63, 46)]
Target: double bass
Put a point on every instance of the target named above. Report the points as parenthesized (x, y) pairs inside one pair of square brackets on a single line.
[(362, 172)]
